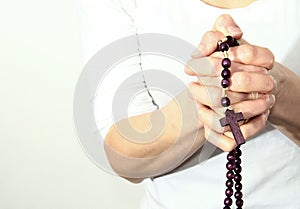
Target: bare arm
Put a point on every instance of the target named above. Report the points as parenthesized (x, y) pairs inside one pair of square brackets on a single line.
[(158, 142)]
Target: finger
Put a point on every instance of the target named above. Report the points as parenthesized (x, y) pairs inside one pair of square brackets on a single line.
[(252, 82), (253, 126), (250, 109), (209, 81), (219, 140), (253, 108), (211, 119), (226, 141), (201, 66), (212, 66), (211, 95), (227, 26), (223, 26), (206, 95), (208, 44), (250, 55)]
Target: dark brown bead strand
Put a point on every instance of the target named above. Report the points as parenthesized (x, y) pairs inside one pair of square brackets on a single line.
[(233, 165)]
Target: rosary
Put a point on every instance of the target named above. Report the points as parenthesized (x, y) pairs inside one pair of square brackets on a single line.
[(231, 118)]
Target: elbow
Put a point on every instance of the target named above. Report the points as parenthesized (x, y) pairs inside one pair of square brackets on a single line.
[(123, 163)]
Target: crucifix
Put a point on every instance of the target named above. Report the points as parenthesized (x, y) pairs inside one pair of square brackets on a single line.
[(231, 118)]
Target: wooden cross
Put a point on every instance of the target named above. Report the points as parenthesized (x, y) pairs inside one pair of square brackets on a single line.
[(231, 118)]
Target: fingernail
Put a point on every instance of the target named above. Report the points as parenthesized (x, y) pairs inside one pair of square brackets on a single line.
[(234, 30), (267, 115), (272, 100)]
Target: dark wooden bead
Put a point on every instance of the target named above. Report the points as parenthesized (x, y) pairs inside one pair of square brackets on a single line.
[(238, 169), (237, 177), (226, 63), (239, 202), (225, 102), (223, 47), (227, 201), (225, 83), (225, 73), (235, 42), (229, 183), (229, 192), (238, 186), (237, 152), (238, 195), (230, 157), (237, 161), (230, 175), (230, 166)]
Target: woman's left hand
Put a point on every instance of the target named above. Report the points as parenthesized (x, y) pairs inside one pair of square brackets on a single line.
[(252, 88)]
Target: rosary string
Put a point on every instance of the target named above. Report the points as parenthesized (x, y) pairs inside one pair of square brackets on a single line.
[(231, 118)]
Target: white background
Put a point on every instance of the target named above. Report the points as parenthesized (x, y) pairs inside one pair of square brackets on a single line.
[(42, 165)]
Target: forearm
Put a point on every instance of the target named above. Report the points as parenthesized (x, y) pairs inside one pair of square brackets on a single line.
[(285, 114), (156, 142)]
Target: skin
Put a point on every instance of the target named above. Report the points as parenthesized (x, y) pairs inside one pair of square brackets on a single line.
[(228, 3), (135, 161)]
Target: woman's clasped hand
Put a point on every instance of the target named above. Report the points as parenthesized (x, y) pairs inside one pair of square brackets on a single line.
[(251, 91)]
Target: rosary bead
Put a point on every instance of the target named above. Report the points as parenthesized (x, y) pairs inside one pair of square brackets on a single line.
[(237, 177), (238, 169), (225, 73), (225, 83), (228, 201), (238, 195), (229, 39), (225, 101), (230, 157), (226, 207), (238, 186), (229, 192), (230, 166), (226, 63), (230, 175), (223, 47), (237, 161), (237, 152), (229, 183), (235, 42), (239, 202)]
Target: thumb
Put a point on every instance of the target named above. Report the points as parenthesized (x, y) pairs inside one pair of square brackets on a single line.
[(226, 25)]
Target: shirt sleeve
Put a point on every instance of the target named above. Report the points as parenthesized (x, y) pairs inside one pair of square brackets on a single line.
[(122, 91)]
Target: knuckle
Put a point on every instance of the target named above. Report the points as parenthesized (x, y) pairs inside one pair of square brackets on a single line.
[(270, 58), (228, 146), (208, 35), (247, 52), (270, 83), (220, 129), (241, 80), (207, 133), (261, 105), (214, 95), (223, 18)]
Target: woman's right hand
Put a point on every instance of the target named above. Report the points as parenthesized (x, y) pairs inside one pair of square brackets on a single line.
[(249, 73)]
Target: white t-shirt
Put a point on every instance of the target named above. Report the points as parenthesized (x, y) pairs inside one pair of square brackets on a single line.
[(271, 171)]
